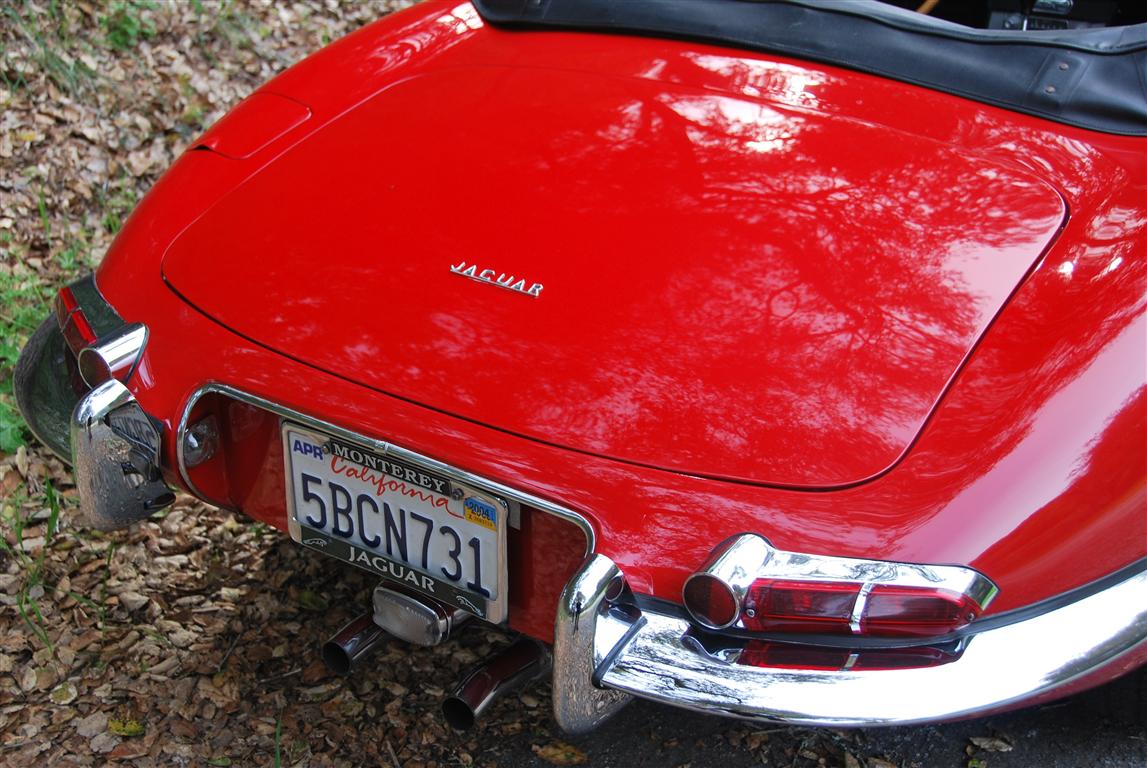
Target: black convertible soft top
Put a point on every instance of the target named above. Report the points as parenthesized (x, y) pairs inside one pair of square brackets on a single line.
[(1089, 78)]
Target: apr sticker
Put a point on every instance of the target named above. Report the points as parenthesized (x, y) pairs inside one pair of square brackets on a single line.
[(481, 512), (304, 448)]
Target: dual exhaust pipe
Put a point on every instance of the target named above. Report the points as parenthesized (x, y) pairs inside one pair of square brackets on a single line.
[(352, 644), (514, 667)]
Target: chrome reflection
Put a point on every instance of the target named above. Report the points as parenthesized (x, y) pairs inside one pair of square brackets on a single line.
[(378, 446), (583, 634), (740, 561), (736, 564), (656, 656), (113, 357), (115, 448)]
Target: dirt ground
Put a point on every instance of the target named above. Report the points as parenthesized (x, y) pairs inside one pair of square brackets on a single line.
[(191, 640)]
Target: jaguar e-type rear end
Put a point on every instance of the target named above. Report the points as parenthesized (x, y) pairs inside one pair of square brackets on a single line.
[(744, 383)]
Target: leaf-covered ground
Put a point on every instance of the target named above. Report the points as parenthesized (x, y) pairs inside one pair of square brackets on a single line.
[(192, 639)]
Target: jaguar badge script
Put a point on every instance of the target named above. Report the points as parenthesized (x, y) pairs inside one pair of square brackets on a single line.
[(494, 277)]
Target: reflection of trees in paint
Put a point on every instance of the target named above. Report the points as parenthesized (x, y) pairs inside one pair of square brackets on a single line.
[(791, 296)]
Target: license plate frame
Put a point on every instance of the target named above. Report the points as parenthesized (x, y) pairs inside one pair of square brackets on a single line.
[(467, 500)]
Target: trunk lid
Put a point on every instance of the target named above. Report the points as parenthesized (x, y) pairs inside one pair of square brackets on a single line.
[(729, 288)]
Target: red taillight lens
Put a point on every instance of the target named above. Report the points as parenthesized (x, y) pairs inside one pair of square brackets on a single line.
[(711, 601), (800, 606), (66, 304), (759, 653), (75, 327), (894, 611), (902, 658)]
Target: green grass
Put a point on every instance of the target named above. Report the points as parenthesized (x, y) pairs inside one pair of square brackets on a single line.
[(49, 33), (116, 204), (23, 305), (24, 510), (75, 256), (25, 298), (126, 23), (225, 22), (279, 741), (32, 568)]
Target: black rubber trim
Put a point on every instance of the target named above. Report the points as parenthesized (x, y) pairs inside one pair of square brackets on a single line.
[(42, 382), (985, 624), (607, 663), (1094, 79), (101, 315)]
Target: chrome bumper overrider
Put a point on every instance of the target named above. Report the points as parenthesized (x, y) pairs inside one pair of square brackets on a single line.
[(115, 451), (109, 439), (607, 649)]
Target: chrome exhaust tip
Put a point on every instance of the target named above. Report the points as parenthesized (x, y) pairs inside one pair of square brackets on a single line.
[(351, 644), (521, 663)]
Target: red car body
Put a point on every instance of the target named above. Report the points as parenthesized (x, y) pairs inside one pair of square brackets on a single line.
[(748, 294)]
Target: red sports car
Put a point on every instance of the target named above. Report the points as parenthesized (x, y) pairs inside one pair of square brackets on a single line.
[(784, 360)]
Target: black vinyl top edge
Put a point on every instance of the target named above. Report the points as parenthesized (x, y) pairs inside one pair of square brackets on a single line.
[(1094, 78)]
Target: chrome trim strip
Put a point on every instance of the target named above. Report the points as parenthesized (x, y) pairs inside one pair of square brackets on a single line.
[(859, 606), (378, 446), (98, 311), (999, 667)]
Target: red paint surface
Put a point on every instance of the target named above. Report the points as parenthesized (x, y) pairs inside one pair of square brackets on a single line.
[(253, 124), (728, 284), (1031, 467)]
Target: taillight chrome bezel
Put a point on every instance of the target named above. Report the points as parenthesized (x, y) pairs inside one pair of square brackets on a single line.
[(742, 561), (104, 345), (114, 356), (736, 564)]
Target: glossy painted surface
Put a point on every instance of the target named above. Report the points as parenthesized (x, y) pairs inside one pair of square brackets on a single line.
[(1031, 469), (728, 283), (253, 124)]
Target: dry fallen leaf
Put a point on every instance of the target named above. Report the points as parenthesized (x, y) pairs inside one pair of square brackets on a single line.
[(560, 753), (92, 725), (991, 743), (64, 693), (132, 601), (104, 742), (128, 728)]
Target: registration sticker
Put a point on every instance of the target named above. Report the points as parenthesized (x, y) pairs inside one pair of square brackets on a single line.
[(481, 512)]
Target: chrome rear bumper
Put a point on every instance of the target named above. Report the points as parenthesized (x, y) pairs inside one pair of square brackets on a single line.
[(607, 650)]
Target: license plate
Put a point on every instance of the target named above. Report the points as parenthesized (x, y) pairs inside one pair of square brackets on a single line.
[(418, 525)]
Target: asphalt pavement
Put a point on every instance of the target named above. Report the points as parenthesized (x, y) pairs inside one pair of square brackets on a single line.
[(1076, 732)]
